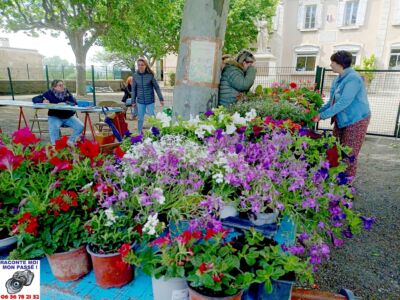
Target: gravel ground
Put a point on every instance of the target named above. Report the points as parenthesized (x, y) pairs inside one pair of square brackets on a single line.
[(369, 264)]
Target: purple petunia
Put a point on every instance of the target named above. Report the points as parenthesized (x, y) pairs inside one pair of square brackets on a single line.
[(137, 138), (155, 131), (209, 113), (368, 222)]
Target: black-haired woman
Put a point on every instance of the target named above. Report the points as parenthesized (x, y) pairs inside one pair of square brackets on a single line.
[(348, 107), (58, 94)]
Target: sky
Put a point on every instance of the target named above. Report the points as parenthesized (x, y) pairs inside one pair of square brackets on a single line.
[(48, 45)]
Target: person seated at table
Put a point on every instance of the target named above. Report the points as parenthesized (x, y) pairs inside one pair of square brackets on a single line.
[(58, 94)]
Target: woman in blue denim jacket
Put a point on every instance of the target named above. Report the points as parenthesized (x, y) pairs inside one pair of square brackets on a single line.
[(347, 107)]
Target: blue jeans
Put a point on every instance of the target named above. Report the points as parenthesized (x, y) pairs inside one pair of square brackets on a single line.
[(72, 122), (142, 110)]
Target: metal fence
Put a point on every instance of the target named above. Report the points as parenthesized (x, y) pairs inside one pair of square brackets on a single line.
[(383, 88)]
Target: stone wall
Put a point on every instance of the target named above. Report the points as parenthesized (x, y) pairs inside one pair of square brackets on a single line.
[(21, 62), (31, 87)]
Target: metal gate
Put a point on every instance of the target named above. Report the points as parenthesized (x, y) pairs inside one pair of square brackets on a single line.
[(383, 87)]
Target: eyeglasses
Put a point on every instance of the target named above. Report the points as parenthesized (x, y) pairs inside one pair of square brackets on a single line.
[(60, 84)]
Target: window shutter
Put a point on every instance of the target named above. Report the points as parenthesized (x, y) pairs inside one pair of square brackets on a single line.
[(340, 13), (396, 15), (362, 9), (300, 17), (318, 16)]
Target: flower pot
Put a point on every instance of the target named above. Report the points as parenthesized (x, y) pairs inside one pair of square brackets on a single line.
[(264, 218), (7, 244), (110, 270), (195, 295), (228, 211), (170, 289), (71, 265)]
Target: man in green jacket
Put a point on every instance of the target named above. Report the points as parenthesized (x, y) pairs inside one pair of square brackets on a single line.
[(237, 76)]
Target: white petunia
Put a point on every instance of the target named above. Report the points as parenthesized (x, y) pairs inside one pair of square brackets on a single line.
[(250, 115), (164, 118), (111, 218), (219, 178), (237, 119), (194, 121), (151, 224), (231, 128)]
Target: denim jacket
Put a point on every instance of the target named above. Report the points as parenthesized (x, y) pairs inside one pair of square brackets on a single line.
[(351, 102)]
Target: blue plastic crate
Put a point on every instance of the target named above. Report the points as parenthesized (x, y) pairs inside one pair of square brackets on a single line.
[(84, 103)]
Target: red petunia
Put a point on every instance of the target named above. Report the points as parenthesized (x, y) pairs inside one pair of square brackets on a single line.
[(60, 165), (216, 278), (119, 153), (38, 156), (25, 137), (90, 149), (202, 268), (293, 85), (64, 206), (74, 203), (332, 155), (210, 233), (124, 249), (9, 161), (61, 143), (257, 130)]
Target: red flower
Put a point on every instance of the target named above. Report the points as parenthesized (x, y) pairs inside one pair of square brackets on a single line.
[(216, 278), (124, 250), (64, 206), (88, 228), (38, 156), (293, 85), (202, 268), (161, 240), (257, 130), (333, 156), (72, 194), (119, 153), (25, 137), (60, 165), (74, 203), (61, 143), (9, 161), (210, 233), (90, 149)]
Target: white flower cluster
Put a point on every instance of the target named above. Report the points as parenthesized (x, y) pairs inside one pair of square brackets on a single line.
[(111, 217), (151, 224), (164, 118), (203, 128)]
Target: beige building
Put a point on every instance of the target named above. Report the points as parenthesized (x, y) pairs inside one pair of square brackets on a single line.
[(23, 63), (307, 32)]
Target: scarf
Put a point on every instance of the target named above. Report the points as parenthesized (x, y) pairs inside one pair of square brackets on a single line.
[(59, 95)]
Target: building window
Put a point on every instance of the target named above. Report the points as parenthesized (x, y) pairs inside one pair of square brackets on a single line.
[(310, 16), (394, 62), (306, 62), (350, 13)]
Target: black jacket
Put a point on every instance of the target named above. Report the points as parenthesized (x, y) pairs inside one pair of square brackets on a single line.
[(49, 95)]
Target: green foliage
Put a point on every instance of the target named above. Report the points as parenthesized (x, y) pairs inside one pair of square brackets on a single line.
[(171, 77), (368, 63), (241, 31)]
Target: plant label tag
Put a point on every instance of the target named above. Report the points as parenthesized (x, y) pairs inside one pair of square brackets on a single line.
[(180, 294)]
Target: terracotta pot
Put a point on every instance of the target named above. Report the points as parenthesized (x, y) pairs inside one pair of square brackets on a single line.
[(71, 265), (110, 270), (195, 295)]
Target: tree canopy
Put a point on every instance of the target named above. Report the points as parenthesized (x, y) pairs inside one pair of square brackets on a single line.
[(82, 22)]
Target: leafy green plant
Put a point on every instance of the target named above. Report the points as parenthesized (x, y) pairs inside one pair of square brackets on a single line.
[(367, 64)]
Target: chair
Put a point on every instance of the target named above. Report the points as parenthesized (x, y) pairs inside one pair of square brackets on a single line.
[(36, 120)]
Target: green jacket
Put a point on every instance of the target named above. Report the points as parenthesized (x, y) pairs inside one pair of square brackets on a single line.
[(234, 80)]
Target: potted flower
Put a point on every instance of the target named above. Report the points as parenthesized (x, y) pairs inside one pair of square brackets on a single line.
[(112, 233), (13, 181)]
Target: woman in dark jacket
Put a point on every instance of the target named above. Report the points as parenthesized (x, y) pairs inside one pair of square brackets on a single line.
[(143, 91), (127, 98), (58, 94)]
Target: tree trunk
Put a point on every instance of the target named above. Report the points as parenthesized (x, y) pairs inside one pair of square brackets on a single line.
[(80, 51), (199, 59)]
